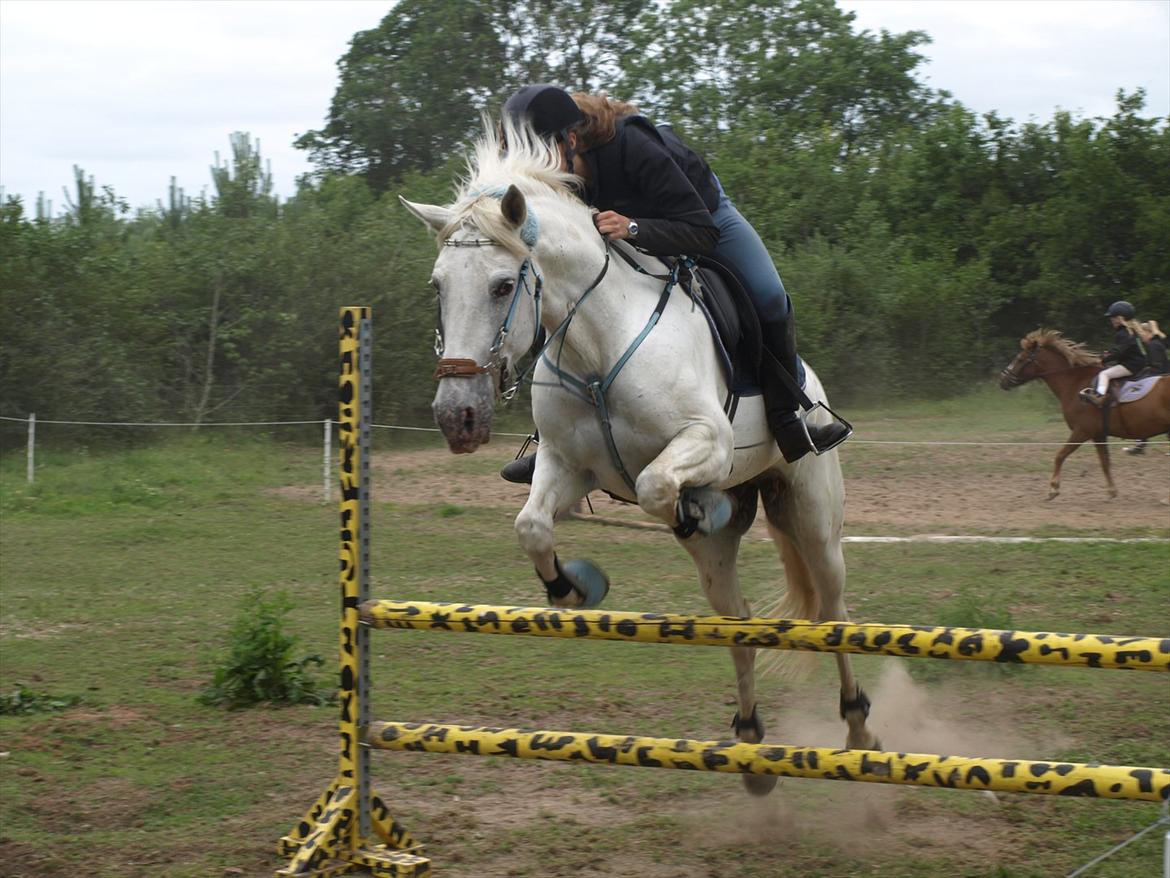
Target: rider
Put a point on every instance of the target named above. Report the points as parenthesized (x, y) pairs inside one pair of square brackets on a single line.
[(1126, 357), (1155, 341), (653, 191)]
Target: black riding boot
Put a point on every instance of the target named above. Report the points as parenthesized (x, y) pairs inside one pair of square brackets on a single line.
[(521, 470), (795, 436)]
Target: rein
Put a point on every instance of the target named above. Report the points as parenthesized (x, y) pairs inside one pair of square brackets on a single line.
[(1012, 377), (593, 391)]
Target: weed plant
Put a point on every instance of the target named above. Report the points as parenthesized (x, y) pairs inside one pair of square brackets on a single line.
[(260, 667), (22, 700)]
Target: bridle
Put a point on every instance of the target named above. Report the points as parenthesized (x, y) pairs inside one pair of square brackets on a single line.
[(465, 367), (1010, 377)]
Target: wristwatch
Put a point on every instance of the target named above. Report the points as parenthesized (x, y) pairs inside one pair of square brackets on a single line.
[(632, 229)]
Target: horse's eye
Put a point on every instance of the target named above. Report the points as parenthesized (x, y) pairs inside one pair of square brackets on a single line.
[(434, 286), (504, 288)]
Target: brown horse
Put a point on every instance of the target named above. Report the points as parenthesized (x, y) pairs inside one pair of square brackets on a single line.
[(1066, 367)]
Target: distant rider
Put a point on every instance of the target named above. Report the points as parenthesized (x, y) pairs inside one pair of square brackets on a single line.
[(1155, 341)]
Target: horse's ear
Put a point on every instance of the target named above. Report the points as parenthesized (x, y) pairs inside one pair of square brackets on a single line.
[(513, 206), (431, 214)]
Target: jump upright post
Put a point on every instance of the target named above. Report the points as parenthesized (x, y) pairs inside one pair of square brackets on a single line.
[(336, 835), (350, 828)]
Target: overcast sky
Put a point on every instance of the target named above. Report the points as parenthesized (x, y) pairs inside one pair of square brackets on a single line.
[(136, 92)]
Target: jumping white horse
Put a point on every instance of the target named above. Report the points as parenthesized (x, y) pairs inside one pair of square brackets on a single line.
[(644, 421)]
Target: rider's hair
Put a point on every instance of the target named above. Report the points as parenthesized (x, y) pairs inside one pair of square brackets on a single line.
[(1150, 329), (1133, 326), (601, 115)]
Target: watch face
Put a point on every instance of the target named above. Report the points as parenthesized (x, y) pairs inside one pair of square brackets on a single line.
[(633, 229)]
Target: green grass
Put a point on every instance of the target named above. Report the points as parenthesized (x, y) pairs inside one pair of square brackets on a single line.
[(122, 576)]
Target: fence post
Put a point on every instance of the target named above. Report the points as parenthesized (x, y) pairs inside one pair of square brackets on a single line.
[(32, 446), (325, 467)]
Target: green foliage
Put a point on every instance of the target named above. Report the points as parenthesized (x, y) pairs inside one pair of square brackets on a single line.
[(918, 241), (969, 610), (259, 667), (22, 701)]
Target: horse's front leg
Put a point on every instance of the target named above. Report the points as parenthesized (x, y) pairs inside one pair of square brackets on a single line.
[(1103, 457), (699, 455), (555, 488), (715, 557), (1075, 439)]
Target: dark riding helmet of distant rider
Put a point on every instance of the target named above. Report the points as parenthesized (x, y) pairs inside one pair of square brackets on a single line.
[(1121, 309), (548, 107)]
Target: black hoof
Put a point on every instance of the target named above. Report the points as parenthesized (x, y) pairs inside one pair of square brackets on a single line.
[(759, 784)]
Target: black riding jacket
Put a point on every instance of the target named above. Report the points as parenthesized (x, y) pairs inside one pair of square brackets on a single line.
[(1126, 350), (649, 175), (1156, 353)]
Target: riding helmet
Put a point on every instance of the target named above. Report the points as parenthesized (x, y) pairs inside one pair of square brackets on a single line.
[(548, 107), (1121, 309)]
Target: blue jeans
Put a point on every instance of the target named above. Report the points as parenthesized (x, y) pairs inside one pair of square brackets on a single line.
[(741, 250)]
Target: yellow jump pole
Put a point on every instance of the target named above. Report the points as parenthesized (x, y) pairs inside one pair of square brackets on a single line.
[(334, 837), (822, 763), (908, 641)]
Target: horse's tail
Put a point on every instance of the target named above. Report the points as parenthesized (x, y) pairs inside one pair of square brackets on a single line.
[(799, 601)]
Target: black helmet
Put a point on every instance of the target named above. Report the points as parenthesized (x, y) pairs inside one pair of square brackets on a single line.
[(1121, 309), (548, 107)]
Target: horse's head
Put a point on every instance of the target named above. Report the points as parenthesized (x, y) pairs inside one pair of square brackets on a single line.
[(489, 301), (1045, 352), (1023, 367)]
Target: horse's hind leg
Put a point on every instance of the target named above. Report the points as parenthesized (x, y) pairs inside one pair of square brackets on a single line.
[(814, 567), (714, 556)]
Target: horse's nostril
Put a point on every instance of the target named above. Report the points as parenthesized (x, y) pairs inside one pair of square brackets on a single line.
[(468, 419)]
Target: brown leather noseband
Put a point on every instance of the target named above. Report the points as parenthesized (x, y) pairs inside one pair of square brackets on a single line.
[(459, 368)]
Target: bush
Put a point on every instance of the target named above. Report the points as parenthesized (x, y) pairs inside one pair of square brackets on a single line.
[(23, 700), (260, 667)]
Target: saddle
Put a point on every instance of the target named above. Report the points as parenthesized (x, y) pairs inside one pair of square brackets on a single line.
[(735, 326), (1131, 389)]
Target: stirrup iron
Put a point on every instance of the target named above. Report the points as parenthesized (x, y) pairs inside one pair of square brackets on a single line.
[(821, 404)]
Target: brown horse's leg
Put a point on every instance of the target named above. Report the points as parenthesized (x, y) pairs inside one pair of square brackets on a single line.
[(1075, 440), (1103, 456)]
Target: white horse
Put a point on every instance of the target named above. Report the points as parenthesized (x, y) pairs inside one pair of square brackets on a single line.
[(519, 249)]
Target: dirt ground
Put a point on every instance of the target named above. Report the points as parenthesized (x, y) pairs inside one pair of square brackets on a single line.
[(891, 490), (940, 490)]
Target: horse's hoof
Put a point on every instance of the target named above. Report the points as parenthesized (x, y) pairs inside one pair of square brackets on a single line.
[(873, 742), (702, 510), (1052, 495), (759, 784), (588, 580)]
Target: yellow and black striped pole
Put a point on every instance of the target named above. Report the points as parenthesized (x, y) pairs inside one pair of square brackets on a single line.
[(908, 641), (823, 763)]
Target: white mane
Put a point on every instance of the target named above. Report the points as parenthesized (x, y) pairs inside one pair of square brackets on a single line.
[(530, 163)]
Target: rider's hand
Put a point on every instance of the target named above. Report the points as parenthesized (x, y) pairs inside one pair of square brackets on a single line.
[(613, 225)]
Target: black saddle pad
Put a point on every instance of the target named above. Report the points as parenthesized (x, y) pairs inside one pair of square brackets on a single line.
[(734, 324)]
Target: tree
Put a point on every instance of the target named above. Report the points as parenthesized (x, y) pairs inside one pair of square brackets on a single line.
[(411, 90), (778, 71)]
